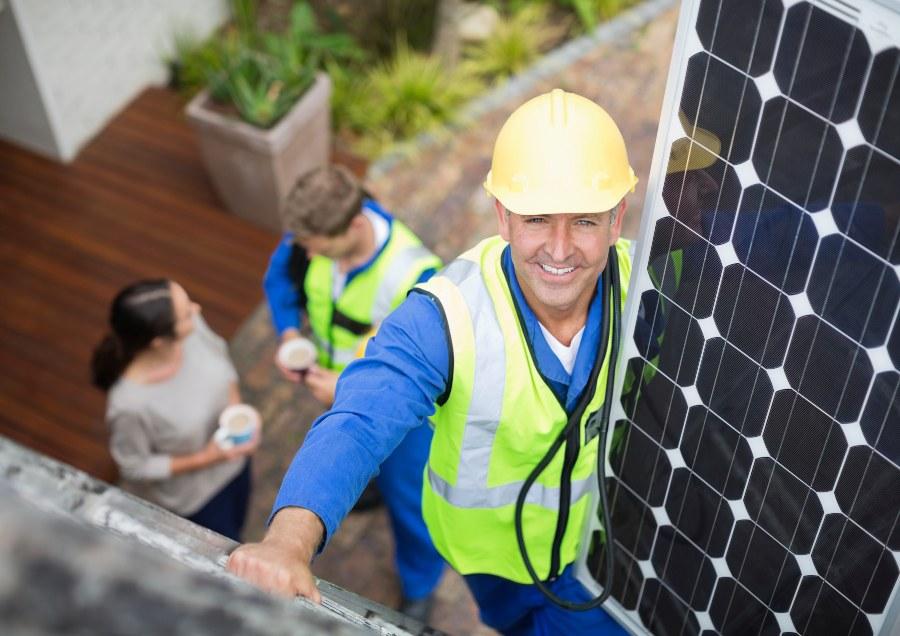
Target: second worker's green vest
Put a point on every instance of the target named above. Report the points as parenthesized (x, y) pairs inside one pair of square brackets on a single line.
[(338, 326), (495, 426)]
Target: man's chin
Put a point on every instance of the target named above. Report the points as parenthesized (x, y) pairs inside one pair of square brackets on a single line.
[(551, 298)]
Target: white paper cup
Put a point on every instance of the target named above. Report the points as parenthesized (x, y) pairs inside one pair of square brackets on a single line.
[(297, 354), (237, 424)]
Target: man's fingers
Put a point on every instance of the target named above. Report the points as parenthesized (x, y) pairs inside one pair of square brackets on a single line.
[(272, 577), (312, 593)]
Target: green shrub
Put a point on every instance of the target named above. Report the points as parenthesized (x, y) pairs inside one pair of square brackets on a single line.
[(516, 43), (348, 83), (591, 12), (407, 95), (190, 61)]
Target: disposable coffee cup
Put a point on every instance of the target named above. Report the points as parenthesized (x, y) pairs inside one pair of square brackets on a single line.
[(237, 424), (297, 354)]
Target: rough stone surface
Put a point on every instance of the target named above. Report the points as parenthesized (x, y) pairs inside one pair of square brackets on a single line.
[(64, 577), (102, 561), (437, 191)]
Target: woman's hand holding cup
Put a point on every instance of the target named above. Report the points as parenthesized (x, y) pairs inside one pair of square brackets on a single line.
[(238, 434)]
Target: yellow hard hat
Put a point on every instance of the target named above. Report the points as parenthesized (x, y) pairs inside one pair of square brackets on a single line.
[(686, 155), (559, 153)]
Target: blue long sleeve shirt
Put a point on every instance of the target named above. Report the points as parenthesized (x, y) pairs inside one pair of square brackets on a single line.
[(282, 292), (410, 358)]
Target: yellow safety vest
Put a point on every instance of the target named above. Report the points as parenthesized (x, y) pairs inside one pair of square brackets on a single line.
[(339, 326), (497, 423)]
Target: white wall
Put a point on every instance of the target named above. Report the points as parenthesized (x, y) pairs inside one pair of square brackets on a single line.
[(23, 118), (87, 59)]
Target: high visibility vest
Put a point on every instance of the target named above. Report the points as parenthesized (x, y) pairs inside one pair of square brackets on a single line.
[(495, 426), (339, 326)]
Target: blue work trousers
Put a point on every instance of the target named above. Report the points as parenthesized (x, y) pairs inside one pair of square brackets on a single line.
[(400, 481), (226, 512), (515, 609)]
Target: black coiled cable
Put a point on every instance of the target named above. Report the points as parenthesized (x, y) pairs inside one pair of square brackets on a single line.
[(610, 284)]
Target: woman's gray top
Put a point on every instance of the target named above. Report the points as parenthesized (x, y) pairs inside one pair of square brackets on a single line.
[(149, 423)]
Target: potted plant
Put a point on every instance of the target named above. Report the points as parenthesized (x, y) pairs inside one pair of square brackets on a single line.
[(264, 117)]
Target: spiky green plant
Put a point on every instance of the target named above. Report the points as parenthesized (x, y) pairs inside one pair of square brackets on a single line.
[(591, 12), (516, 43), (407, 95), (348, 83)]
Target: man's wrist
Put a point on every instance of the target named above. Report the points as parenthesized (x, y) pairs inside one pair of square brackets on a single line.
[(298, 530)]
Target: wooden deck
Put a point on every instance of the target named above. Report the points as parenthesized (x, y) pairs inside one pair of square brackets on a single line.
[(136, 203)]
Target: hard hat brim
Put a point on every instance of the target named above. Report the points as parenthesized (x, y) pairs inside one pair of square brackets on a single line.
[(564, 201)]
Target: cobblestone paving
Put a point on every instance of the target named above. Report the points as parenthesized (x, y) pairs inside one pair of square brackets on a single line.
[(437, 191)]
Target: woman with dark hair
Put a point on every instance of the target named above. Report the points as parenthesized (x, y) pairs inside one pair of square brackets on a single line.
[(168, 378)]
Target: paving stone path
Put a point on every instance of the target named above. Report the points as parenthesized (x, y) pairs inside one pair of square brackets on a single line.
[(437, 192)]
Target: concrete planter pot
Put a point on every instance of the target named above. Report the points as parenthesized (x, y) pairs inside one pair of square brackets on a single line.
[(253, 168)]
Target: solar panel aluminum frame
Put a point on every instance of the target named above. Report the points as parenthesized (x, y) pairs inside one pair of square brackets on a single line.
[(879, 20)]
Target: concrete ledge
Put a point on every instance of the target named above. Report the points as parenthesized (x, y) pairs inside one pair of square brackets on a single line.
[(81, 556)]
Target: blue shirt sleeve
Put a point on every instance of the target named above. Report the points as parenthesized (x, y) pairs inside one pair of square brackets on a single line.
[(282, 294), (409, 358), (426, 274)]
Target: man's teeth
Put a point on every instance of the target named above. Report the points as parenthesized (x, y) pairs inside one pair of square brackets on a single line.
[(556, 271)]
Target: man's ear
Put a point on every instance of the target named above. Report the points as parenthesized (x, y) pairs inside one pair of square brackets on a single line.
[(502, 220), (615, 228), (357, 221)]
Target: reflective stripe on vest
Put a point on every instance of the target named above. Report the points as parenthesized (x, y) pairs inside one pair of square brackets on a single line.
[(396, 281), (495, 426), (505, 495), (367, 299)]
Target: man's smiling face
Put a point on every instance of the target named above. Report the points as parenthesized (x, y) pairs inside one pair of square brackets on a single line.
[(558, 258)]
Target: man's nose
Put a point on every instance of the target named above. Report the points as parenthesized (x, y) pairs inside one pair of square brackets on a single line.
[(559, 244)]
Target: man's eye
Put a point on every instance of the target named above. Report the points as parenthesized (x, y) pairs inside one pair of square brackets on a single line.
[(586, 222), (534, 220)]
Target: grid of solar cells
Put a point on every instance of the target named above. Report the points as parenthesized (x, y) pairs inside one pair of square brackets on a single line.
[(755, 483)]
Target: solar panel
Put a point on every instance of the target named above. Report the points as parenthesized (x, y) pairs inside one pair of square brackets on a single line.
[(754, 466)]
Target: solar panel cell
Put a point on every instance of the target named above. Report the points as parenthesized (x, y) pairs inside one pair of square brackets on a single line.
[(699, 512), (866, 579), (805, 440), (775, 239), (734, 610), (797, 153), (820, 609), (749, 32), (879, 113), (734, 387), (783, 505), (881, 414), (683, 567), (716, 452), (816, 49), (723, 101), (854, 290), (867, 483), (828, 368), (763, 566)]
